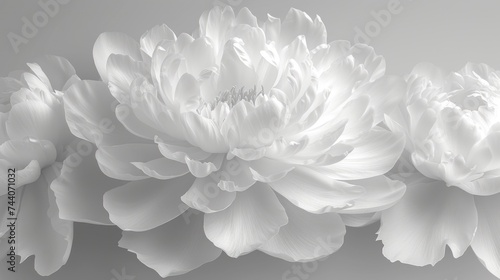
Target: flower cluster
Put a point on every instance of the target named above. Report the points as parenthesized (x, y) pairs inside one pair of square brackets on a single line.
[(249, 135), (451, 166), (35, 139)]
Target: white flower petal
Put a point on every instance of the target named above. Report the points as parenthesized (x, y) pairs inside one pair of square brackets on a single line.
[(3, 128), (187, 93), (215, 23), (199, 55), (253, 218), (254, 127), (36, 120), (150, 110), (459, 132), (249, 154), (430, 216), (245, 16), (421, 127), (272, 28), (204, 168), (374, 154), (299, 23), (268, 170), (268, 67), (116, 161), (154, 36), (163, 50), (171, 70), (38, 83), (429, 71), (236, 67), (90, 113), (179, 150), (482, 186), (380, 194), (322, 138), (146, 204), (359, 117), (173, 248), (486, 153), (234, 176), (230, 127), (25, 175), (428, 168), (8, 85), (360, 220), (19, 153), (260, 126), (282, 148), (315, 192), (40, 232), (385, 94), (254, 40), (297, 52), (307, 236), (374, 64), (113, 43), (480, 69), (162, 168), (56, 69), (340, 79), (455, 170), (125, 114), (204, 195), (203, 133), (486, 242), (3, 222), (80, 188), (121, 71)]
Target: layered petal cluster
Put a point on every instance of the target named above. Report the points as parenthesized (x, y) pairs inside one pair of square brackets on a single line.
[(452, 167), (34, 139), (244, 136)]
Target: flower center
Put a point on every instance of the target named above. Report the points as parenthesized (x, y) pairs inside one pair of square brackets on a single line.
[(470, 100), (220, 106), (233, 96)]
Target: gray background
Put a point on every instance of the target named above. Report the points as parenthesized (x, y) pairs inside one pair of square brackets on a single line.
[(447, 33)]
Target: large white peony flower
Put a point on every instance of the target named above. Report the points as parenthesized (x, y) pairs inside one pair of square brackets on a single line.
[(452, 123), (34, 139), (264, 131)]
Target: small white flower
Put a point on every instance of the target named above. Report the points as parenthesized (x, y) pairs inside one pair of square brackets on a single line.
[(452, 123), (269, 133), (33, 141)]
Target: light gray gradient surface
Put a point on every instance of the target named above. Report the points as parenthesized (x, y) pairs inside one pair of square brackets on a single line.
[(447, 33)]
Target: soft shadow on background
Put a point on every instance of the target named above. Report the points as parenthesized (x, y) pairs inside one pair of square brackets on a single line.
[(448, 33)]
